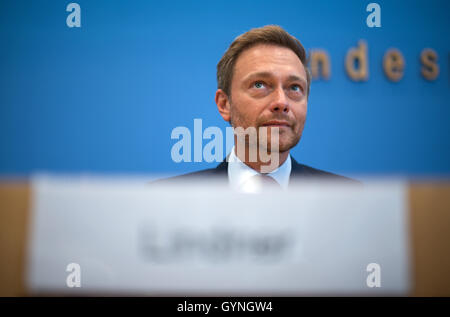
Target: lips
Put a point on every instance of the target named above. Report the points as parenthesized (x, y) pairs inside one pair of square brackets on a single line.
[(276, 123)]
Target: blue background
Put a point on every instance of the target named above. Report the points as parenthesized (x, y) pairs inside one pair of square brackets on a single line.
[(105, 97)]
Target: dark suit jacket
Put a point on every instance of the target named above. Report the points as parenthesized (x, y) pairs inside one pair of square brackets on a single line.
[(299, 171)]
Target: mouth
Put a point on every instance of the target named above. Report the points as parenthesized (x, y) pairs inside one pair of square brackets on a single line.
[(276, 123)]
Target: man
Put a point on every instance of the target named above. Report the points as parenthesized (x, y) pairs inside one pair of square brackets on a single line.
[(263, 83)]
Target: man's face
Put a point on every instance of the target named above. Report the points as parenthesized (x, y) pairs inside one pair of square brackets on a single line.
[(269, 89)]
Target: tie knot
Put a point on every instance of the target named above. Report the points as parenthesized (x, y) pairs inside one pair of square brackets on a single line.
[(266, 181)]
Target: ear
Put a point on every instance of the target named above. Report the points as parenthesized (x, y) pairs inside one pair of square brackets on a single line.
[(223, 104)]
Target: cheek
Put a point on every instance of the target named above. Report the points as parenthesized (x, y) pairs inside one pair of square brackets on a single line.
[(246, 108), (300, 115)]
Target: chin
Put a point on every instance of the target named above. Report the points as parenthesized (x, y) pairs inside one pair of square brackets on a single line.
[(286, 142), (283, 147), (289, 145)]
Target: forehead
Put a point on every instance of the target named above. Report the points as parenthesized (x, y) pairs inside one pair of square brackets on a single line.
[(277, 60)]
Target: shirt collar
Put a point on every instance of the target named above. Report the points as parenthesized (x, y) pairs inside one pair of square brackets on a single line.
[(239, 173)]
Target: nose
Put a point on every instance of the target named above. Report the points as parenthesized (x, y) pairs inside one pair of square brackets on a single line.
[(280, 101)]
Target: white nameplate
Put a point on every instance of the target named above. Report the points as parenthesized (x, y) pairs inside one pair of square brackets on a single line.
[(106, 236)]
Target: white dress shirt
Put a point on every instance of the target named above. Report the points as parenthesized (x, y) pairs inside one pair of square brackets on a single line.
[(241, 178)]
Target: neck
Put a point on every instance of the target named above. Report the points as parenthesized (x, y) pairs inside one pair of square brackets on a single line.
[(257, 165)]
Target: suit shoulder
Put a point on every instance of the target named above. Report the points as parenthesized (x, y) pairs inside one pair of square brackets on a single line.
[(187, 177), (305, 170)]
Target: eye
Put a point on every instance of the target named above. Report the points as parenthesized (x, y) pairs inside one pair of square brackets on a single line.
[(296, 88), (258, 85)]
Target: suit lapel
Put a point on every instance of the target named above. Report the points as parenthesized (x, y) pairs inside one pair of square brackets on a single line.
[(296, 168), (222, 168)]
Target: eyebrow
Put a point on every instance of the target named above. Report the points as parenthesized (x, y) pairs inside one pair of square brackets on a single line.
[(268, 74)]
